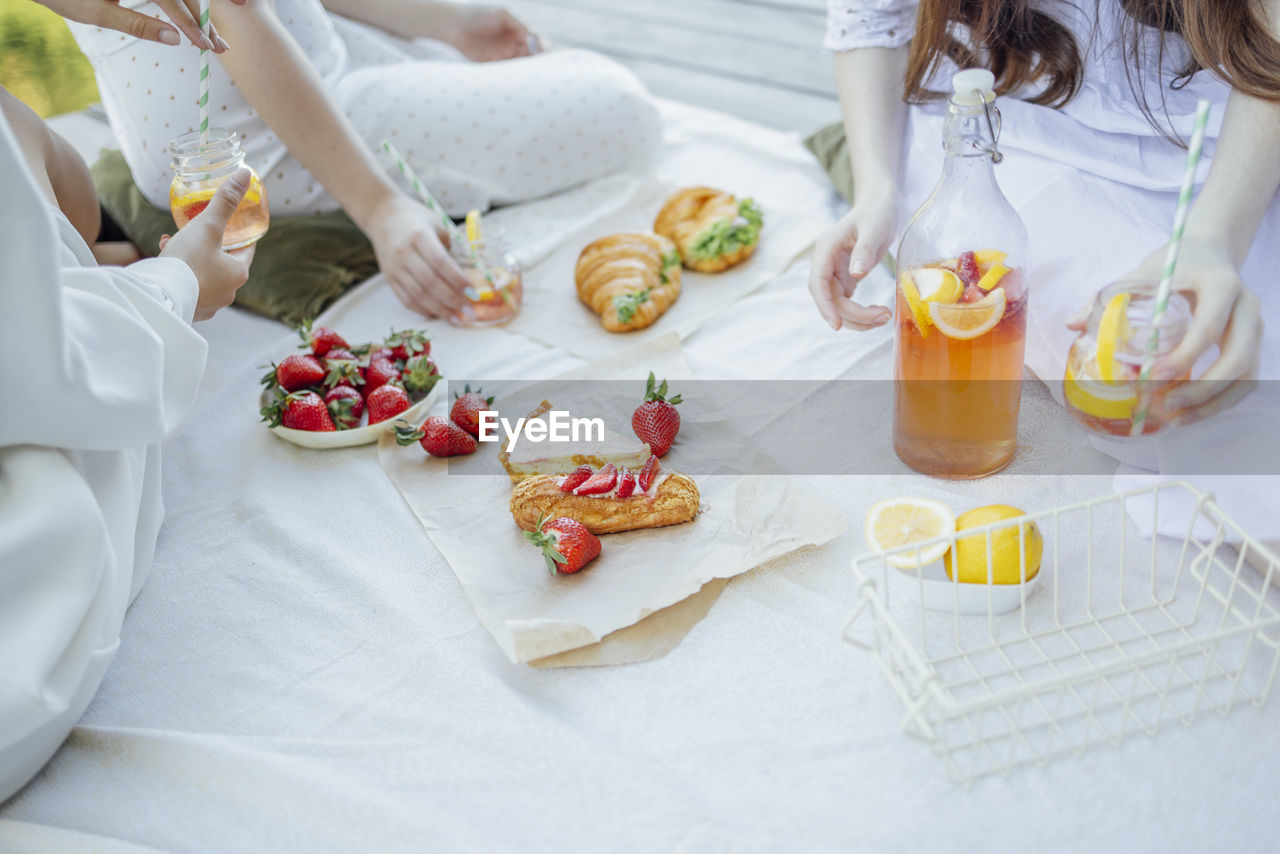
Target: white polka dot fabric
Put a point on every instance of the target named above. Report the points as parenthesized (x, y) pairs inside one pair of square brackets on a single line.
[(479, 134)]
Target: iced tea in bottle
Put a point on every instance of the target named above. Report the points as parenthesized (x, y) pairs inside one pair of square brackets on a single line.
[(961, 307)]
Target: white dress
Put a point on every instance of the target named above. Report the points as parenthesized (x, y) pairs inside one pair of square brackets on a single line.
[(110, 365), (478, 133), (1097, 187)]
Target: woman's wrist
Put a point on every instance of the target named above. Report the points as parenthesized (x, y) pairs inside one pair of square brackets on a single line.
[(370, 207), (1212, 229)]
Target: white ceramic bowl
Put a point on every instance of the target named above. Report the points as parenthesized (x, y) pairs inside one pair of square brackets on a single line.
[(938, 593), (363, 434)]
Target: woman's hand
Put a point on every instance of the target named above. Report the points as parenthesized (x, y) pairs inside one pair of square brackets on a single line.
[(411, 254), (844, 255), (488, 33), (199, 244), (110, 15), (1223, 312)]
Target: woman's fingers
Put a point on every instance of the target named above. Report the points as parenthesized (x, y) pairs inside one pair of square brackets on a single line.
[(1208, 321), (113, 17), (1224, 398), (186, 17), (1239, 353), (862, 316), (821, 273)]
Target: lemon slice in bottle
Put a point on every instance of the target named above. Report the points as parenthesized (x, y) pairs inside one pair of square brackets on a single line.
[(1113, 330), (937, 285), (988, 258), (966, 321), (992, 277), (900, 522), (912, 294)]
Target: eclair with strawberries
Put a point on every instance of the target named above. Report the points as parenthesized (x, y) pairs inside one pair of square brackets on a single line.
[(608, 499)]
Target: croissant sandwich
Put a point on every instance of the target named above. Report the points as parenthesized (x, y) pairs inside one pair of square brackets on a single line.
[(711, 228), (609, 499), (630, 279)]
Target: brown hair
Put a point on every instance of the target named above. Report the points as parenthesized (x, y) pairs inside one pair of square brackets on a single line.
[(1022, 45)]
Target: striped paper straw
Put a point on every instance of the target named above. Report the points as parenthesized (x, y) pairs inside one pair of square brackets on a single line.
[(204, 74), (1171, 261), (454, 233)]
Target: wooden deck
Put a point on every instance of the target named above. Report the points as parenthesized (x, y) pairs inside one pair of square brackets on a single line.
[(759, 59)]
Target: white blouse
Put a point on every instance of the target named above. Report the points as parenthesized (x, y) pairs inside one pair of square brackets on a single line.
[(853, 24), (110, 364)]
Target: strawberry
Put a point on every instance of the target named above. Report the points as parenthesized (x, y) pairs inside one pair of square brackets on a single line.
[(656, 421), (299, 410), (345, 406), (420, 374), (408, 343), (628, 483), (967, 269), (467, 408), (602, 481), (294, 372), (566, 544), (576, 478), (343, 372), (321, 340), (648, 474), (385, 401), (438, 436), (379, 373)]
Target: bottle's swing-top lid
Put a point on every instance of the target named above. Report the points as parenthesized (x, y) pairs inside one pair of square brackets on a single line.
[(972, 85)]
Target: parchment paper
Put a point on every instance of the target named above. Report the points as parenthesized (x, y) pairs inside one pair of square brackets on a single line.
[(553, 315), (648, 588)]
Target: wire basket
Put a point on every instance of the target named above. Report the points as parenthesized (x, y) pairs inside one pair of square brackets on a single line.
[(1123, 634)]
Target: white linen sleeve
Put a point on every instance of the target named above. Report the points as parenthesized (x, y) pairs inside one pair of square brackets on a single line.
[(107, 356), (853, 24)]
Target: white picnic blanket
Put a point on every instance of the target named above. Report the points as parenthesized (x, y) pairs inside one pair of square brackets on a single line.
[(303, 671)]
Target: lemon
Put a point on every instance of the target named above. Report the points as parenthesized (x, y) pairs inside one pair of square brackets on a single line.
[(969, 320), (1098, 399), (1113, 330), (918, 312), (937, 285), (902, 521), (970, 553), (992, 277), (473, 226), (987, 258)]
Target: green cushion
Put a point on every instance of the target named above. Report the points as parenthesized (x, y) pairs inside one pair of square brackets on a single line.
[(302, 264), (828, 144)]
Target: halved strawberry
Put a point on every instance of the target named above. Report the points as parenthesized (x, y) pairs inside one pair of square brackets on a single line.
[(566, 544), (386, 401), (628, 484), (602, 481), (576, 478), (647, 474)]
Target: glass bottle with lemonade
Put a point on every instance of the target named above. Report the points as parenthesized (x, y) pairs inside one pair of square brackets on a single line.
[(961, 307), (199, 168)]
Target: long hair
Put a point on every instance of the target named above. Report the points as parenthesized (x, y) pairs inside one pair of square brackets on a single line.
[(1023, 46)]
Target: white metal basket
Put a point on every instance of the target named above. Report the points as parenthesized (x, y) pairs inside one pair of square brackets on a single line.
[(1123, 634)]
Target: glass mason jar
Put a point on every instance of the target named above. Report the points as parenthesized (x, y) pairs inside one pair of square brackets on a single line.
[(199, 169), (1101, 383), (497, 284), (961, 307)]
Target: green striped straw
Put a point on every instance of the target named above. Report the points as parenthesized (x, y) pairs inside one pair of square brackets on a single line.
[(204, 75), (1171, 261), (432, 205)]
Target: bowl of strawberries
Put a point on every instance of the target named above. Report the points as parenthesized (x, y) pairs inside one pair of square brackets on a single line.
[(337, 395)]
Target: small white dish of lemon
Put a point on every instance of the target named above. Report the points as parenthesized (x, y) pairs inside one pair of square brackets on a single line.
[(978, 573)]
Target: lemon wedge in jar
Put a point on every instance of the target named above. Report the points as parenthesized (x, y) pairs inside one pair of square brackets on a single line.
[(986, 258), (1099, 399), (918, 312), (937, 285), (900, 522), (473, 226), (969, 320), (1113, 330), (992, 277)]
